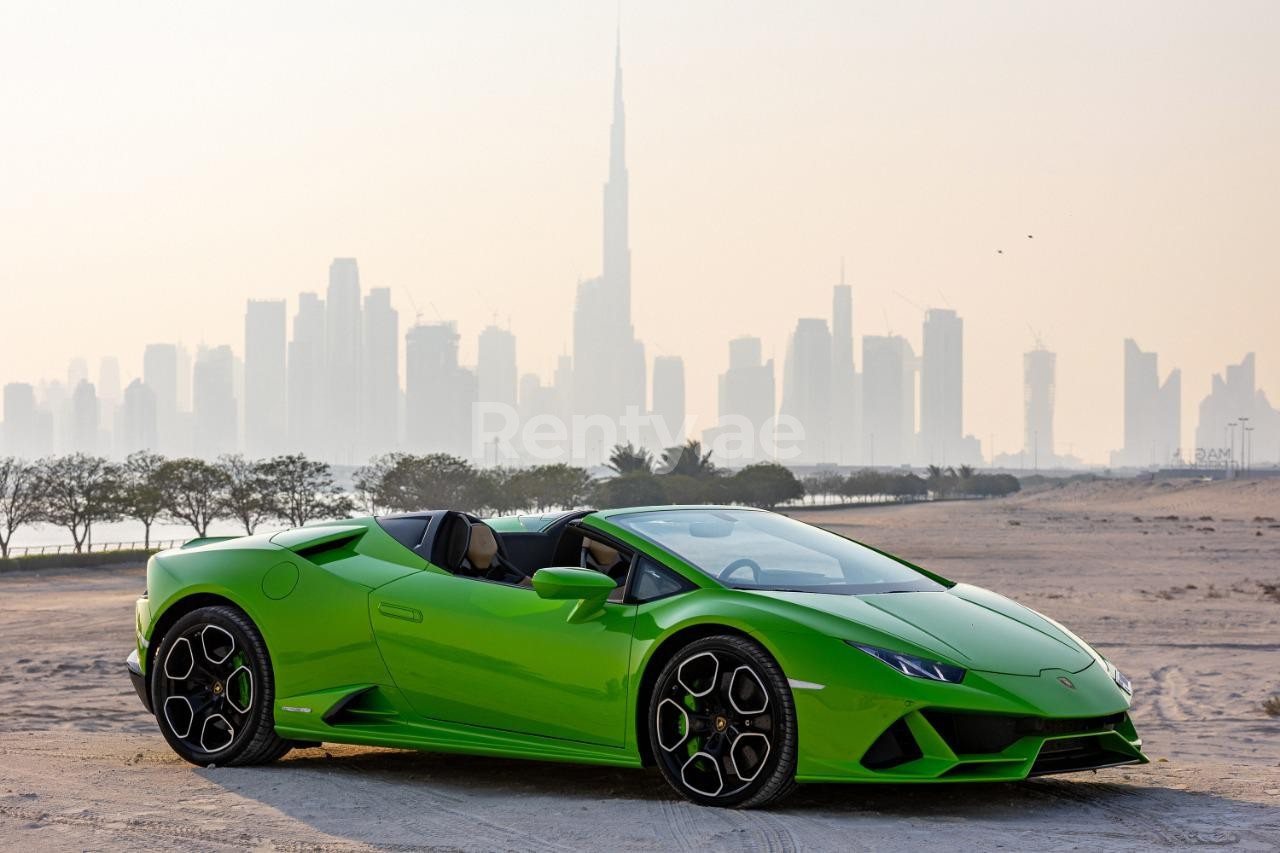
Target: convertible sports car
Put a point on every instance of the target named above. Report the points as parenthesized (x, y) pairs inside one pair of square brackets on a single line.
[(739, 650)]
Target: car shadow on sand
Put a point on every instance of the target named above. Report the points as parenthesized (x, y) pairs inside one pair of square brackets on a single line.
[(404, 798)]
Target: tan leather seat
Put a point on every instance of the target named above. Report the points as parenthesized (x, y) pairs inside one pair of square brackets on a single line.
[(603, 555), (482, 547)]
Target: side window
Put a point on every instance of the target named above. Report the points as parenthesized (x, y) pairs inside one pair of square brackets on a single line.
[(654, 581)]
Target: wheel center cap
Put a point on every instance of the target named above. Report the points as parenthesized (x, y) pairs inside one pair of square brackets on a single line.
[(217, 688), (720, 723)]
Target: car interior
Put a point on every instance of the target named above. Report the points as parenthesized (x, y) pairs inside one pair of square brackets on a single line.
[(466, 546)]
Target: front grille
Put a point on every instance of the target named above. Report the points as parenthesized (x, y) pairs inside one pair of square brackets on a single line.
[(977, 734), (1076, 753)]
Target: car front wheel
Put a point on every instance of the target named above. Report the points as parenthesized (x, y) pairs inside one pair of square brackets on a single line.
[(722, 724), (213, 691)]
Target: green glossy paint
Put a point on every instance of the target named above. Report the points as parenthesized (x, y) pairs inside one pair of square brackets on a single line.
[(413, 656)]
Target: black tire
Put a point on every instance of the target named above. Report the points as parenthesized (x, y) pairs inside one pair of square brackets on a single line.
[(213, 690), (721, 736)]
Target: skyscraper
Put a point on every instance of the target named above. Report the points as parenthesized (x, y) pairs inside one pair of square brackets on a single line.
[(21, 424), (1221, 432), (160, 373), (668, 401), (942, 388), (306, 376), (108, 395), (137, 419), (85, 418), (806, 389), (214, 412), (380, 430), (844, 377), (496, 366), (265, 378), (439, 394), (1039, 369), (745, 403), (608, 361), (1152, 411), (888, 399), (342, 373)]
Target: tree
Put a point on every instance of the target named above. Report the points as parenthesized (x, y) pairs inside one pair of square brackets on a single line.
[(634, 489), (21, 498), (79, 490), (370, 482), (766, 484), (434, 481), (192, 490), (302, 490), (142, 495), (247, 493), (626, 459), (825, 483), (552, 486), (689, 460)]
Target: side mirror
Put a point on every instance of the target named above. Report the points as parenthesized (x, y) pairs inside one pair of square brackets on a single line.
[(570, 583)]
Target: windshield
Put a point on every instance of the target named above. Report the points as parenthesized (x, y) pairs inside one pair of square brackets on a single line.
[(751, 549)]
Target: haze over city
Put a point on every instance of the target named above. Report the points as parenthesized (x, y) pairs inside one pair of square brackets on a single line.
[(1083, 175)]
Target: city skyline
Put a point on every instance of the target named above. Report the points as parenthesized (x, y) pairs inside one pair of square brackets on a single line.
[(1084, 270)]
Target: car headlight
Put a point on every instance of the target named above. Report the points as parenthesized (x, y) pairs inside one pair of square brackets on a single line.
[(1121, 680), (914, 666)]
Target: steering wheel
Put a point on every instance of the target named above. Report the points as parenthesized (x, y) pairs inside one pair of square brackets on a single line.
[(742, 563)]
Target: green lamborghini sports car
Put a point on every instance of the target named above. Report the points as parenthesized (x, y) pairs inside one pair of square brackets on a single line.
[(738, 650)]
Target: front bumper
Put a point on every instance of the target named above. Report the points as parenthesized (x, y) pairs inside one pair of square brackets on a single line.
[(139, 680), (861, 721)]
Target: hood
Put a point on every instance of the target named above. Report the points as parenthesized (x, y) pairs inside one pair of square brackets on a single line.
[(966, 625)]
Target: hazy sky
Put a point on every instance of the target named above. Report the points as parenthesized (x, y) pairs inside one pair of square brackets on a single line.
[(162, 162)]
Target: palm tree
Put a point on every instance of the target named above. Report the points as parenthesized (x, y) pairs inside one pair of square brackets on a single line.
[(626, 459), (689, 460)]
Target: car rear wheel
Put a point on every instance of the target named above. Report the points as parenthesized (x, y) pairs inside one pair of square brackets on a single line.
[(213, 691), (722, 725)]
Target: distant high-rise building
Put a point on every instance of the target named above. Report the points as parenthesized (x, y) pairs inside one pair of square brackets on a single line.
[(160, 373), (380, 432), (942, 389), (844, 377), (1237, 421), (86, 419), (342, 351), (668, 401), (185, 375), (266, 400), (438, 393), (1152, 411), (306, 376), (137, 419), (1039, 370), (108, 391), (77, 372), (21, 423), (888, 399), (609, 363), (214, 412), (496, 366), (806, 389), (746, 401)]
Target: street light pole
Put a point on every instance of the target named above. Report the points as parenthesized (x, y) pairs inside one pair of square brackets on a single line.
[(1231, 436), (1244, 460)]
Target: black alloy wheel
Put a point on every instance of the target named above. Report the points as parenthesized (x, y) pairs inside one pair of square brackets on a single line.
[(722, 724)]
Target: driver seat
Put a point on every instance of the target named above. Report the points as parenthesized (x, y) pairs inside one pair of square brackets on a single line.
[(603, 558)]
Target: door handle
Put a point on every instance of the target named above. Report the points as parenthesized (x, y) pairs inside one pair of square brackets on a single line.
[(399, 611)]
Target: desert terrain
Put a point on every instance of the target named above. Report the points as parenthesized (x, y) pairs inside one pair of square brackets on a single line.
[(1178, 583)]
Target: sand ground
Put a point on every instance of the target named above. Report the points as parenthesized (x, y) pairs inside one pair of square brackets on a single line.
[(1188, 607)]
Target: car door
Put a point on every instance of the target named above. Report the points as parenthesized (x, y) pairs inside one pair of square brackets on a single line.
[(472, 651)]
